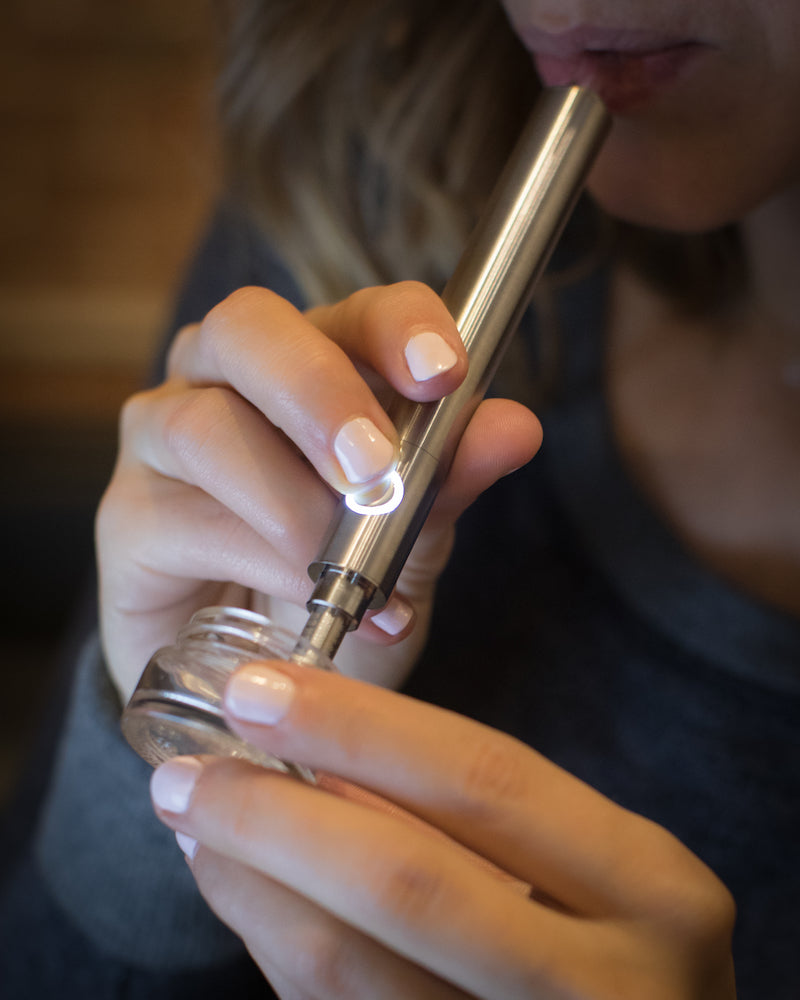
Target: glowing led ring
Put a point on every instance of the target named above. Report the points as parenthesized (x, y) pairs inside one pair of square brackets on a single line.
[(385, 506)]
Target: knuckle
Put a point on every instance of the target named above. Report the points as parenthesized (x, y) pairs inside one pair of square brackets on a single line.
[(321, 963), (409, 890), (691, 899), (133, 412), (381, 307), (244, 298), (221, 331), (193, 422), (316, 356), (179, 345), (354, 743), (711, 912), (416, 302), (237, 306), (244, 799), (365, 308), (494, 771), (226, 338), (417, 290), (240, 306)]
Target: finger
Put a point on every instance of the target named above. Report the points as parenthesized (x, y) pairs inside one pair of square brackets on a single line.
[(298, 378), (408, 891), (501, 437), (173, 531), (160, 562), (355, 793), (481, 787), (402, 331), (303, 948), (214, 439), (286, 990), (301, 380)]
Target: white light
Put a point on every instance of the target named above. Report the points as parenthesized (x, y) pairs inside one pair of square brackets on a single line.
[(395, 495)]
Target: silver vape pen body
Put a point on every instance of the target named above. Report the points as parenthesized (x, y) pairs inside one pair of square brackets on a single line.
[(491, 287)]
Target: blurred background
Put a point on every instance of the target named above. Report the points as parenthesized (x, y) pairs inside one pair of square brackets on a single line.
[(109, 166)]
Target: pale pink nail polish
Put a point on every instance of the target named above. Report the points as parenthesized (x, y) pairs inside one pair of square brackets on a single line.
[(363, 452), (428, 355), (259, 694), (394, 617), (187, 844), (172, 784)]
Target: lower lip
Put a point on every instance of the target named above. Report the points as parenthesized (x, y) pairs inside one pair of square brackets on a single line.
[(626, 81)]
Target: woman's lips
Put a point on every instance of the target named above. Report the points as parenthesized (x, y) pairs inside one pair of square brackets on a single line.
[(626, 69)]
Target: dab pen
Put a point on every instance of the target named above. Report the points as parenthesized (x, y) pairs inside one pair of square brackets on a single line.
[(177, 705), (368, 543)]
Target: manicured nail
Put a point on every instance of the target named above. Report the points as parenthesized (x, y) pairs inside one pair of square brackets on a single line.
[(187, 844), (364, 453), (394, 617), (428, 355), (259, 694), (172, 784)]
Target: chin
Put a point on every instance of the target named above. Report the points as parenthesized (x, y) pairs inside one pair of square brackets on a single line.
[(678, 187), (673, 207), (674, 215)]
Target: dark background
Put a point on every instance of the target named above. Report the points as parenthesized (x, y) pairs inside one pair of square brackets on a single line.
[(108, 168)]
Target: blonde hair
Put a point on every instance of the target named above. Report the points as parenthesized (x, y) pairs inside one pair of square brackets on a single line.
[(364, 135)]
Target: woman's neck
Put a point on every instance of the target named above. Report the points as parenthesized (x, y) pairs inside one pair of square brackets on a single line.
[(705, 419)]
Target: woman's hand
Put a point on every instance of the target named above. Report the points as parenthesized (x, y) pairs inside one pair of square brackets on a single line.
[(225, 480), (400, 876)]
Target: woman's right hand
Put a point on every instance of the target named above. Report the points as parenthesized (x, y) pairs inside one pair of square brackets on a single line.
[(224, 484)]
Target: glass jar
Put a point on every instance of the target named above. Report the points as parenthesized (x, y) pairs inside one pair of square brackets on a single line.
[(176, 708)]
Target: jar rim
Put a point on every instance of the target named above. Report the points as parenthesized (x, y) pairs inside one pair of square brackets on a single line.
[(249, 631)]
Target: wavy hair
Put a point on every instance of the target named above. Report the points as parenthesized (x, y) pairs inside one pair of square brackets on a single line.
[(364, 135)]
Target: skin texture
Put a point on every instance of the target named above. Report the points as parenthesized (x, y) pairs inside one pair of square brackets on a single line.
[(221, 491), (387, 907), (669, 163), (705, 418), (225, 476)]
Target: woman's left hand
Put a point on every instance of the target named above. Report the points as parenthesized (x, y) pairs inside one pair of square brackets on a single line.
[(400, 875)]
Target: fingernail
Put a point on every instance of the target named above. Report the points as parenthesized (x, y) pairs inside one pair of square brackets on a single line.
[(394, 617), (259, 694), (364, 453), (187, 844), (428, 355), (172, 784)]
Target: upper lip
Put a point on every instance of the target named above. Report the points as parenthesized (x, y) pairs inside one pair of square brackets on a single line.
[(564, 44)]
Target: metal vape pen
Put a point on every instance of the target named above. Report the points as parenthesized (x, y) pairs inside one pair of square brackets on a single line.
[(491, 287)]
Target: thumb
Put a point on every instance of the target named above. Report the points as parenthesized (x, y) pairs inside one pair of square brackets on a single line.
[(502, 436)]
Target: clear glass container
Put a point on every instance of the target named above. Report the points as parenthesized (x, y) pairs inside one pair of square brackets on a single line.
[(176, 708)]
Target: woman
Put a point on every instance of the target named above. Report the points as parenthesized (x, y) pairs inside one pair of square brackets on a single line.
[(632, 667)]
